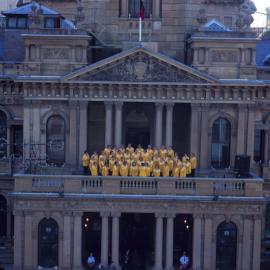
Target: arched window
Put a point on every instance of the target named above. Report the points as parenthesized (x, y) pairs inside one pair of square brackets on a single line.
[(226, 246), (3, 216), (55, 140), (267, 221), (3, 135), (221, 140), (48, 235), (134, 8)]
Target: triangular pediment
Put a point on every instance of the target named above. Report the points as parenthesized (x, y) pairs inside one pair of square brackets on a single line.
[(139, 65)]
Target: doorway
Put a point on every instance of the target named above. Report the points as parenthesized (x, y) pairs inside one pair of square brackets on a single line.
[(137, 237)]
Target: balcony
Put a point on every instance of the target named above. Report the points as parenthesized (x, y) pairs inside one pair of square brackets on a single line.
[(161, 186)]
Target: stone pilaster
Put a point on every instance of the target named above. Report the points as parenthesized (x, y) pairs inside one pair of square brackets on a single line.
[(77, 241), (246, 253), (158, 241), (204, 136), (257, 234), (83, 127), (169, 242), (241, 128), (118, 124), (197, 242), (115, 238), (28, 241), (195, 129), (104, 238), (169, 123), (67, 253), (18, 239), (72, 146), (158, 125), (108, 123)]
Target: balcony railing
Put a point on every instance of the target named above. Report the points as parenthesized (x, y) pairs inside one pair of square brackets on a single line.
[(197, 186)]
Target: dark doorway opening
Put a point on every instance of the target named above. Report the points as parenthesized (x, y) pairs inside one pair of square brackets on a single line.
[(226, 246), (48, 235), (183, 234), (91, 236), (138, 124), (137, 236), (137, 136), (3, 216)]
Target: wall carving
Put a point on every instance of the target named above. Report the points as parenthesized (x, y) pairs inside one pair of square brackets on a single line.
[(222, 56), (140, 67), (55, 53)]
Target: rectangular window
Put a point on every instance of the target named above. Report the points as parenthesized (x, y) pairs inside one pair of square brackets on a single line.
[(12, 22), (22, 23), (18, 141), (49, 23), (134, 8)]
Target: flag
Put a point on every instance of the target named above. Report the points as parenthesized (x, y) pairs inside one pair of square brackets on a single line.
[(142, 9)]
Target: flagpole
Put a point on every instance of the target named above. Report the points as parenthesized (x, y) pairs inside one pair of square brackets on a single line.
[(140, 29)]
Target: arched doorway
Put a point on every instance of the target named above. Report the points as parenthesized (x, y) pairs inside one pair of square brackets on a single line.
[(138, 124), (226, 246), (3, 216), (48, 236), (221, 140)]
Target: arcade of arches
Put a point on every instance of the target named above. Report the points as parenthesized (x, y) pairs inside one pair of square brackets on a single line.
[(153, 241)]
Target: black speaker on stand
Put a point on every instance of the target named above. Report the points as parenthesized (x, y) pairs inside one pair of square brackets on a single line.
[(242, 166)]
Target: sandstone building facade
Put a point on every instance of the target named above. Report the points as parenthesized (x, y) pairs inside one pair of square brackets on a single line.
[(74, 77)]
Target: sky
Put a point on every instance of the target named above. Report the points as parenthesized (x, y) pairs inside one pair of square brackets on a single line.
[(260, 20)]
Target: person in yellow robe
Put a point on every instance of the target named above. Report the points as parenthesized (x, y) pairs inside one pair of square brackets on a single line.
[(183, 171), (170, 163), (156, 171), (170, 152), (105, 170), (115, 169), (124, 169), (176, 171), (145, 156), (142, 170), (188, 167), (150, 151), (147, 170), (193, 161), (130, 149), (136, 155), (166, 170), (85, 162), (94, 169), (107, 151), (163, 152), (134, 169)]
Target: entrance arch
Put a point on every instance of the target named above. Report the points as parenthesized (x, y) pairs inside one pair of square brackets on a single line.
[(226, 246), (48, 238), (138, 124), (3, 216)]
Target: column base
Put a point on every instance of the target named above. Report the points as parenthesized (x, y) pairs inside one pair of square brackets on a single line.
[(77, 268), (169, 268), (157, 268)]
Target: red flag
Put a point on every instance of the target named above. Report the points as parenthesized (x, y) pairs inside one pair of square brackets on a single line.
[(142, 9)]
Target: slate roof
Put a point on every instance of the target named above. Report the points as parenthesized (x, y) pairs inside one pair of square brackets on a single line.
[(215, 26), (262, 51), (28, 8)]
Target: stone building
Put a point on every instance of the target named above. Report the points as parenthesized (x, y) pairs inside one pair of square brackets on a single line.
[(74, 77)]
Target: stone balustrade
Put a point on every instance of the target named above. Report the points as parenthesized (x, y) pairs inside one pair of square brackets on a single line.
[(198, 186)]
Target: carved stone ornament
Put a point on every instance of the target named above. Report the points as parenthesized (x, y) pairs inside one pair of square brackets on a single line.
[(224, 2), (140, 67)]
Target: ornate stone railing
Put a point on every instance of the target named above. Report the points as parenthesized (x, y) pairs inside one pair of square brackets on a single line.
[(252, 187)]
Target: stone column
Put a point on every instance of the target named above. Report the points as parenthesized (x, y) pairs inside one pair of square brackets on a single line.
[(9, 213), (124, 8), (77, 241), (156, 9), (266, 139), (18, 239), (118, 124), (108, 123), (197, 242), (83, 128), (28, 254), (246, 254), (203, 157), (115, 238), (158, 126), (72, 145), (158, 241), (169, 123), (104, 238), (257, 242), (241, 129), (195, 129), (207, 258), (169, 242), (67, 241), (250, 131)]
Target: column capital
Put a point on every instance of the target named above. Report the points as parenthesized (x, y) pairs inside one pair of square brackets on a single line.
[(17, 212), (118, 104), (104, 214), (169, 105), (83, 104), (208, 216), (115, 214), (170, 215), (67, 213), (108, 103), (159, 215), (159, 105), (257, 217), (197, 216), (77, 214), (27, 213)]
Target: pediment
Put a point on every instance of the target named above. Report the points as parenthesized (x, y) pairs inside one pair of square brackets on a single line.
[(139, 65)]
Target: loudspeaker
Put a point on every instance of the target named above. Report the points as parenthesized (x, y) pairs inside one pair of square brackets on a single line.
[(242, 165)]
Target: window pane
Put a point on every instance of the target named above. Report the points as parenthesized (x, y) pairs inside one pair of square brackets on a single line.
[(18, 141), (49, 23), (257, 145), (55, 140), (134, 8), (12, 22), (22, 22), (3, 135)]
